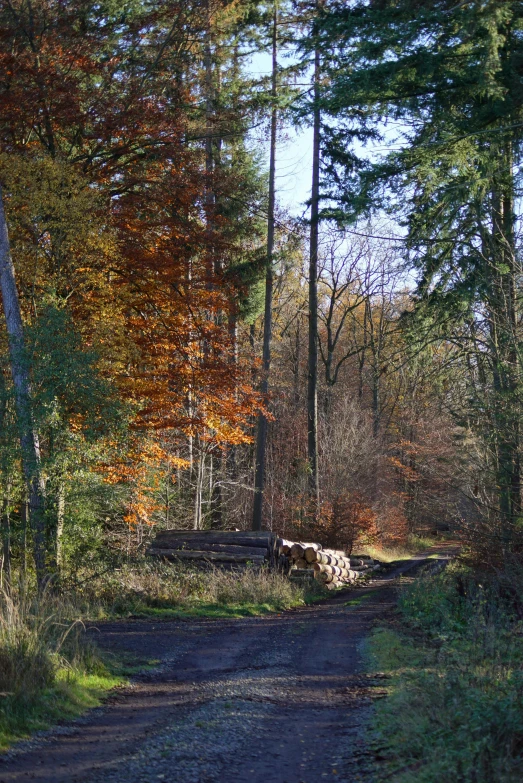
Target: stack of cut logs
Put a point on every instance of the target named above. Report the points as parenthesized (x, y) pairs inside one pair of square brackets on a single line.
[(236, 549), (332, 567), (227, 549)]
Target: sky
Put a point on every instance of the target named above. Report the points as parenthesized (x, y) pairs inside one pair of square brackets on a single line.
[(294, 169), (293, 154)]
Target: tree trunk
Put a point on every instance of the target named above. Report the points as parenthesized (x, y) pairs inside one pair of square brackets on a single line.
[(60, 519), (215, 557), (296, 364), (506, 350), (201, 545), (29, 442), (218, 469), (197, 525), (312, 386), (6, 541), (261, 435), (188, 539)]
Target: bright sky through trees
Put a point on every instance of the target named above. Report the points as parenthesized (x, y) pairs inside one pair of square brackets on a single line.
[(294, 153)]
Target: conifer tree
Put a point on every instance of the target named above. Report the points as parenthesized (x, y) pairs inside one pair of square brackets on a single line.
[(449, 77), (261, 434)]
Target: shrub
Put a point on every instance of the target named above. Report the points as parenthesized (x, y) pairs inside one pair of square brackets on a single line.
[(456, 706)]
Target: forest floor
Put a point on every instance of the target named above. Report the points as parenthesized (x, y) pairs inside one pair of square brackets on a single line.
[(282, 698)]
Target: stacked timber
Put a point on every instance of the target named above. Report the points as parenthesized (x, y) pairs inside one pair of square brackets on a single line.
[(220, 548), (332, 567)]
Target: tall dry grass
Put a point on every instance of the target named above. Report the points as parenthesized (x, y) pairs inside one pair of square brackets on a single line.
[(37, 638), (49, 669), (137, 588), (252, 587)]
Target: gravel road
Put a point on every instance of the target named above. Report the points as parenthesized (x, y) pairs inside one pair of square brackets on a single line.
[(276, 699)]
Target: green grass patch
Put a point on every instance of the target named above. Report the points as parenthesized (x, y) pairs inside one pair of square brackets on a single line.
[(358, 601), (153, 589), (211, 610), (455, 660), (126, 664), (70, 695)]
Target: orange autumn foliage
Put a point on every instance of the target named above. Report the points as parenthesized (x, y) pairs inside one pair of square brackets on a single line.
[(346, 523), (142, 469), (96, 129)]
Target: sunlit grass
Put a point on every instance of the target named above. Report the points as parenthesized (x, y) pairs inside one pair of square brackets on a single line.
[(151, 589), (49, 671), (391, 553), (358, 601), (72, 694)]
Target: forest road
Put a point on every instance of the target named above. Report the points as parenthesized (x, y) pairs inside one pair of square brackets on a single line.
[(275, 699)]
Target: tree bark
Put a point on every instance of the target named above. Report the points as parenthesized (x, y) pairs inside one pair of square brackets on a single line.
[(506, 351), (60, 520), (6, 542), (312, 386), (197, 524), (30, 446), (261, 435), (204, 546), (215, 557)]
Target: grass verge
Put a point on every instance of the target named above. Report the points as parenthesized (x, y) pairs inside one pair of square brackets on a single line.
[(153, 589), (48, 670), (454, 656), (70, 696)]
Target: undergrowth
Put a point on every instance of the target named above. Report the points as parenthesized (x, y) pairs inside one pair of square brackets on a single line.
[(455, 658), (175, 590), (48, 669)]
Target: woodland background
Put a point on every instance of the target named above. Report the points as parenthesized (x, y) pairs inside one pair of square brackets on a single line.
[(149, 247)]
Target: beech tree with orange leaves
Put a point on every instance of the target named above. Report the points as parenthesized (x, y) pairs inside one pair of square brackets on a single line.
[(106, 197)]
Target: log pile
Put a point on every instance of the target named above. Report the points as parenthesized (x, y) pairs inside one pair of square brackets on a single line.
[(228, 549), (332, 567), (236, 550)]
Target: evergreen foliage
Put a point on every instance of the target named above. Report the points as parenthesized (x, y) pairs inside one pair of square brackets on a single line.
[(438, 84)]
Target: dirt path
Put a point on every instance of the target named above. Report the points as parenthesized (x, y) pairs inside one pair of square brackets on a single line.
[(277, 699)]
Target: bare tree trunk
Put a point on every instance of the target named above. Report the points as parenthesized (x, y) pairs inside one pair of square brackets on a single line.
[(24, 513), (60, 519), (29, 442), (6, 536), (229, 459), (5, 580), (296, 363), (197, 525), (261, 436), (505, 348), (312, 386), (209, 121)]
